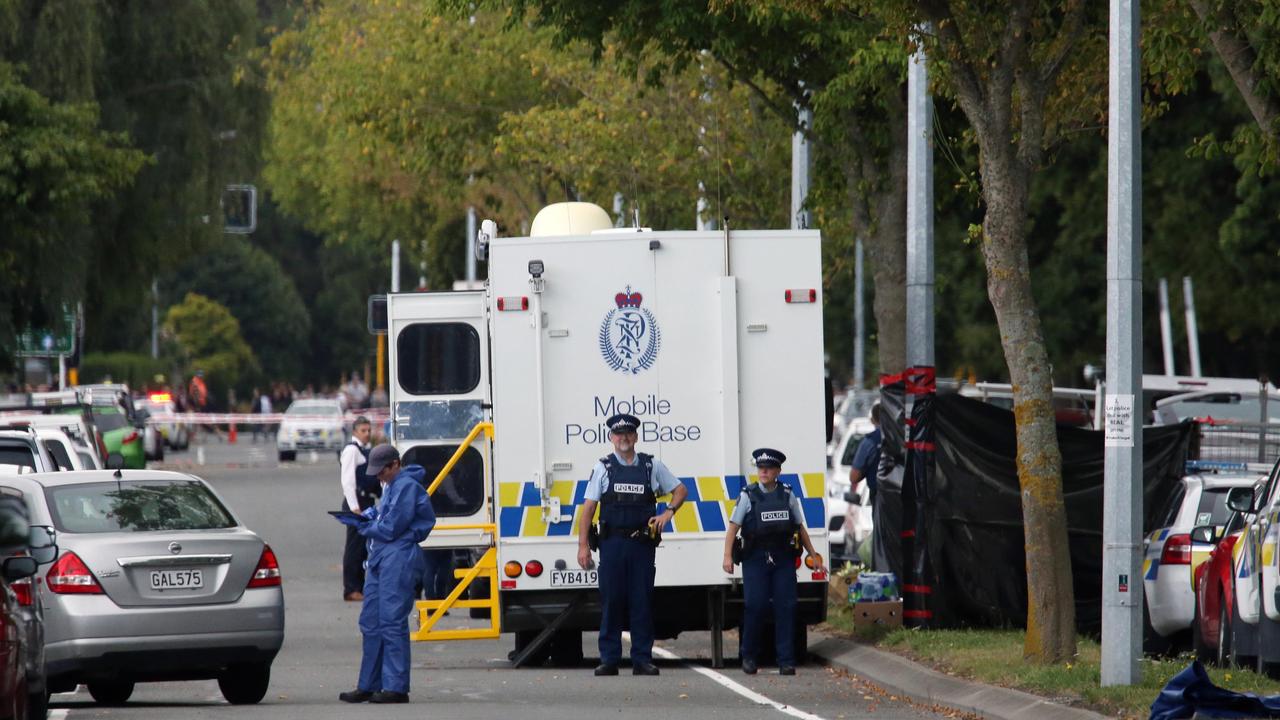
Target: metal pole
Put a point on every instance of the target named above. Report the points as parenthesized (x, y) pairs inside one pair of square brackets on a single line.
[(800, 171), (1193, 335), (919, 215), (469, 246), (1122, 493), (859, 321), (1166, 328), (62, 372), (395, 266), (155, 319)]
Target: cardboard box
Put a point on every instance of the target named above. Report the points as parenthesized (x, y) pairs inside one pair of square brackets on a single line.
[(885, 612)]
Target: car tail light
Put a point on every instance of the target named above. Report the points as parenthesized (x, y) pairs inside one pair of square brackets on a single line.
[(24, 590), (70, 576), (512, 569), (267, 574), (533, 568), (131, 437), (1177, 550)]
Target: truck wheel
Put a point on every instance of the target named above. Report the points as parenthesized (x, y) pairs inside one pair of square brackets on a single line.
[(566, 648), (523, 639)]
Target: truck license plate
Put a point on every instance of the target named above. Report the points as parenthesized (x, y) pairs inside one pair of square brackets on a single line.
[(176, 579), (570, 578)]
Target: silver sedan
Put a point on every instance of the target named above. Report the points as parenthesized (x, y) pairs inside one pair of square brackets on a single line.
[(156, 580)]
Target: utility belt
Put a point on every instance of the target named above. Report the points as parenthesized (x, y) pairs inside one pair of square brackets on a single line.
[(648, 534), (742, 546)]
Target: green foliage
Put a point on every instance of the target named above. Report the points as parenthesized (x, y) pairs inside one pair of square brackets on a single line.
[(134, 369), (255, 289), (208, 338), (54, 163)]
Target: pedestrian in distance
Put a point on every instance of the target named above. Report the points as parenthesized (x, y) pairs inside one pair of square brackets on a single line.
[(771, 519), (360, 491), (626, 485), (866, 460), (394, 527)]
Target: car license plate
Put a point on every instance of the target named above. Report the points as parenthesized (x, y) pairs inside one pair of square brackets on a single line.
[(176, 579), (572, 578)]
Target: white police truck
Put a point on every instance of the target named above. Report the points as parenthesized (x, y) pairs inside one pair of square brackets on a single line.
[(712, 339)]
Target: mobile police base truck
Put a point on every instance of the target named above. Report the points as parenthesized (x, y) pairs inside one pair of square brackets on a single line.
[(712, 339)]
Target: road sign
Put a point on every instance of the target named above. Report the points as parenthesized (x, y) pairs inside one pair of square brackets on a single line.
[(59, 339)]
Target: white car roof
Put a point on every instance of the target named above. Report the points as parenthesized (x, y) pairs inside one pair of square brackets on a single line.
[(77, 477)]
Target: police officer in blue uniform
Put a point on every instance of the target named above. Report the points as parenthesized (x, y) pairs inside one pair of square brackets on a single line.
[(402, 519), (769, 515), (626, 485)]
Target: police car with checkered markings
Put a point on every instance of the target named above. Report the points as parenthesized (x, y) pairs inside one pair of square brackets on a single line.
[(712, 339), (1170, 556)]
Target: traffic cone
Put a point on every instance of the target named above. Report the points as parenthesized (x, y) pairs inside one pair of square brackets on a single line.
[(231, 436)]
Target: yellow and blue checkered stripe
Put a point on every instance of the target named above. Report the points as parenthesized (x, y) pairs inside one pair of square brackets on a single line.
[(1151, 563), (706, 508)]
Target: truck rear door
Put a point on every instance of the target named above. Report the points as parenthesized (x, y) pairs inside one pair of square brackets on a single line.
[(439, 364)]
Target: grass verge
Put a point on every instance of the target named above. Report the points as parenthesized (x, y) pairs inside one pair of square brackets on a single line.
[(995, 657)]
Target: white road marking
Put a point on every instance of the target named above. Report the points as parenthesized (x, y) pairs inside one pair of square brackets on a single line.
[(58, 714), (736, 687)]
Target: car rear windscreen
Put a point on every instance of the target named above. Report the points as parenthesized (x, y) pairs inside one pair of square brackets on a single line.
[(139, 506), (1213, 508), (19, 455)]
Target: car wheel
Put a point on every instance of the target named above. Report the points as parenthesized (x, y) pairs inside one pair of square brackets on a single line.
[(1152, 642), (1201, 648), (111, 692), (245, 684), (38, 705)]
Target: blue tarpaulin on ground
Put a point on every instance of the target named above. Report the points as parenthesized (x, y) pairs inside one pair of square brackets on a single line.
[(1191, 692)]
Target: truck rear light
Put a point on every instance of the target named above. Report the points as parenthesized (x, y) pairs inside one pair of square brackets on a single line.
[(802, 295), (1177, 550), (24, 591), (533, 568), (267, 574), (70, 576), (513, 304), (811, 561), (512, 569)]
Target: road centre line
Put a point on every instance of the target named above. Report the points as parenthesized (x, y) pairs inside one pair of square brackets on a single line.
[(742, 690)]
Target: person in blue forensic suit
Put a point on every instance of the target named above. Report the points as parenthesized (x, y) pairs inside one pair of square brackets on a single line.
[(401, 520), (626, 485), (768, 514)]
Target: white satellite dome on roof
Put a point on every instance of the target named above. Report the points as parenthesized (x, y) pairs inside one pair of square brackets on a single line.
[(569, 218)]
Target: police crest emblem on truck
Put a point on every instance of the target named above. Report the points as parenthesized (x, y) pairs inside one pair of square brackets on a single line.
[(629, 334)]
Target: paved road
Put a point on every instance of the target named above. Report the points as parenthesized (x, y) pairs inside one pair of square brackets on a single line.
[(455, 680)]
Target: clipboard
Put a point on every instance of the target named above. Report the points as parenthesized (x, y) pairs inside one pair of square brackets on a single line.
[(348, 515)]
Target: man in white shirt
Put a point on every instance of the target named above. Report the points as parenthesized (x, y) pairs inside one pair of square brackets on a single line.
[(358, 493)]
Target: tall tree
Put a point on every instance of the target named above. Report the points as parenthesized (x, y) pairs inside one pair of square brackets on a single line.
[(1022, 73)]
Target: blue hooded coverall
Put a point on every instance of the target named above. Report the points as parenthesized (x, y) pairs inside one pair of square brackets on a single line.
[(401, 520)]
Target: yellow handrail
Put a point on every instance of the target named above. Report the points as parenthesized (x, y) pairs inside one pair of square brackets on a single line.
[(486, 427)]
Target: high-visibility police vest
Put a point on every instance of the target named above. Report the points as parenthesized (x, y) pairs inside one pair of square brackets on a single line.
[(629, 501), (768, 523)]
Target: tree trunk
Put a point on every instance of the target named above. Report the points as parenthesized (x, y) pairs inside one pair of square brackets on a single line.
[(1236, 52), (887, 248), (1051, 627)]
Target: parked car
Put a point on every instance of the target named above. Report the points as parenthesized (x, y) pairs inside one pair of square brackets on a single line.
[(847, 527), (1215, 589), (175, 432), (77, 427), (155, 580), (1255, 620), (1170, 555), (23, 680), (22, 452), (311, 424)]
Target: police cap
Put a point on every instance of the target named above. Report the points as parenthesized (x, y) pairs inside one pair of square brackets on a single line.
[(768, 457), (622, 423)]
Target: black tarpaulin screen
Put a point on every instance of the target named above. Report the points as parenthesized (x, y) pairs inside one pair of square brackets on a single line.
[(974, 527)]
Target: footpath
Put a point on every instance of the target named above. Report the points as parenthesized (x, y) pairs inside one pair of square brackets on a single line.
[(926, 685)]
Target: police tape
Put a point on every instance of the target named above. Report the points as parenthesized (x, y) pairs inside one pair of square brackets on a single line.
[(375, 417)]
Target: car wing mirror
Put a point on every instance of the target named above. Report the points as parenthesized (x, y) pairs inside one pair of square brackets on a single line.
[(1240, 499), (16, 568), (1204, 534), (42, 544)]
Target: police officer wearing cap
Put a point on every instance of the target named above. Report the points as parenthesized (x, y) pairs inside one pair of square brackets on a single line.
[(626, 485), (768, 514)]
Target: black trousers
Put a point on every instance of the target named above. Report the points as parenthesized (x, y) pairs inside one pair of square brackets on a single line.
[(353, 556)]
